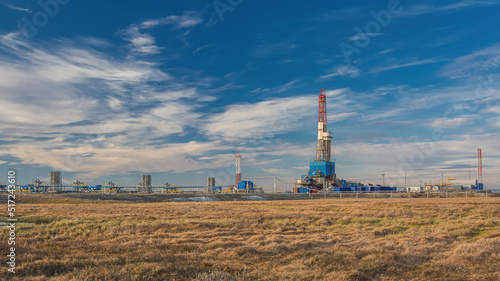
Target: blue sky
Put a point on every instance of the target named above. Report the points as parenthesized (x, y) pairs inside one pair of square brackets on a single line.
[(107, 90)]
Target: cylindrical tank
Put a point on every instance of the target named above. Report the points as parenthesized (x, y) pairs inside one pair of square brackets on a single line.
[(210, 182), (146, 180), (55, 178), (463, 182)]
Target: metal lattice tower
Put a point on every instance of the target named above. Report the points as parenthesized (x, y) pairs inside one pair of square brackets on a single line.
[(238, 168), (324, 137), (479, 166)]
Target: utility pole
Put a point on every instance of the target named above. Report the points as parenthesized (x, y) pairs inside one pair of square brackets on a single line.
[(469, 171), (326, 189), (406, 188), (480, 166)]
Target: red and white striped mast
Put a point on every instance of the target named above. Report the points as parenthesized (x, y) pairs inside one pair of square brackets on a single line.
[(238, 167), (324, 137)]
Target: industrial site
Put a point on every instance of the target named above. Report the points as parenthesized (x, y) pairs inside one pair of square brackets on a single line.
[(321, 177)]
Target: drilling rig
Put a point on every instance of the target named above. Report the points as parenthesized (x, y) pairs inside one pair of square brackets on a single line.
[(321, 173)]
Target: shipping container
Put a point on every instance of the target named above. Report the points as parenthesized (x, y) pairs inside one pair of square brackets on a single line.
[(245, 184)]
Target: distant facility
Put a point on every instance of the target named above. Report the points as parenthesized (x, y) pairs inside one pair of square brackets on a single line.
[(321, 175)]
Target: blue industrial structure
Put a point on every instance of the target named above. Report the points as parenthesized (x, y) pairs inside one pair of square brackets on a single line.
[(248, 186), (322, 168), (303, 190), (243, 185), (35, 186)]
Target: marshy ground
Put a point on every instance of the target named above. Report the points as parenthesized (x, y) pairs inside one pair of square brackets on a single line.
[(323, 239)]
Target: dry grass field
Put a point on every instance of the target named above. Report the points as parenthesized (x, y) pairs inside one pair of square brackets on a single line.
[(332, 239)]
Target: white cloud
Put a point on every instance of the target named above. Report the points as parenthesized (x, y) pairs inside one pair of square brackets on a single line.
[(494, 109), (275, 171), (396, 66), (447, 123), (253, 120), (279, 89), (362, 36), (384, 114), (72, 90), (114, 103), (271, 117), (144, 43), (337, 93), (188, 19), (226, 87), (343, 70), (478, 63), (496, 121), (288, 86), (386, 51), (420, 9), (14, 7), (69, 62), (177, 157)]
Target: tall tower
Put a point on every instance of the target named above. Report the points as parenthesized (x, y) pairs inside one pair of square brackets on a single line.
[(321, 173), (324, 137), (479, 166), (238, 168)]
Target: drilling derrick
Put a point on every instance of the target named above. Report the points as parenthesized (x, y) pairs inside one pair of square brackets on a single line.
[(321, 173), (324, 137)]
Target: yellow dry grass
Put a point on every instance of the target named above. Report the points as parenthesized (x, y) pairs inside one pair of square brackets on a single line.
[(349, 239)]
